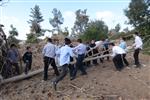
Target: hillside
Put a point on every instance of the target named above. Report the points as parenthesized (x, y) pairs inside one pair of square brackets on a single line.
[(103, 82)]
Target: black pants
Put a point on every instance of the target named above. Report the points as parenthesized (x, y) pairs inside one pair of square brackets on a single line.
[(62, 74), (47, 62), (71, 70), (95, 51), (118, 62), (28, 67), (79, 65), (125, 60), (136, 56)]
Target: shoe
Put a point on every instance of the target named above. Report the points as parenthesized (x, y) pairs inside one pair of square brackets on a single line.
[(72, 78), (137, 66), (54, 85), (84, 73)]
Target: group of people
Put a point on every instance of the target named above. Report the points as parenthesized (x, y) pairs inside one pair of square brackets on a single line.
[(13, 57), (119, 52), (66, 55), (71, 57)]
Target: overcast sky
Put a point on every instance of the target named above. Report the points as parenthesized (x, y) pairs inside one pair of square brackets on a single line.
[(17, 12)]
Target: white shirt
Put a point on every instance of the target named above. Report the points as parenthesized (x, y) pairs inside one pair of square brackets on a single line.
[(49, 50), (65, 52), (80, 49), (117, 50), (99, 44), (138, 42)]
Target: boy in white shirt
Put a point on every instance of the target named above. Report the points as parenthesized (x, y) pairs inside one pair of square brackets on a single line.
[(65, 53), (137, 46), (118, 56)]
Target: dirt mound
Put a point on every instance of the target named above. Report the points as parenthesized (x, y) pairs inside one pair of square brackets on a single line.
[(103, 82)]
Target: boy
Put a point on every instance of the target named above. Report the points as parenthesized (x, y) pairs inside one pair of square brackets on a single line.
[(27, 59), (65, 53), (137, 48), (118, 56)]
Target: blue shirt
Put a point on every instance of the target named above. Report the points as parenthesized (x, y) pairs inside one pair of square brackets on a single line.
[(80, 49), (65, 53), (123, 45), (13, 55)]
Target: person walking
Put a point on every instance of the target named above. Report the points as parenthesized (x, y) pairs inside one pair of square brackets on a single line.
[(137, 48), (49, 52), (65, 53), (80, 49)]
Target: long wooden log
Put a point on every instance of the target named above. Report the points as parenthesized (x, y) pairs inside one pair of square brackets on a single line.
[(33, 73)]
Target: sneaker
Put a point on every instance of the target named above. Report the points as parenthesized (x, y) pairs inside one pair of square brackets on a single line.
[(84, 73), (128, 67), (72, 78), (54, 85)]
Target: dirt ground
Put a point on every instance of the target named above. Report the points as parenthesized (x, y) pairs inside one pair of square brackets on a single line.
[(103, 82)]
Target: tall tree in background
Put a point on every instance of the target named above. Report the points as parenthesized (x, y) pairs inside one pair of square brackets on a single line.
[(12, 35), (95, 30), (117, 28), (36, 19), (57, 20), (81, 22), (138, 14)]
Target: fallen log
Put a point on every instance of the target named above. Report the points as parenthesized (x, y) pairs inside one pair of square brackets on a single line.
[(33, 73)]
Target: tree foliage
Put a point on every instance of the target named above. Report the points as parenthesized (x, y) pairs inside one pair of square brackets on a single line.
[(138, 13), (81, 22), (95, 30), (12, 35), (57, 20), (36, 15), (117, 28), (35, 28), (32, 38)]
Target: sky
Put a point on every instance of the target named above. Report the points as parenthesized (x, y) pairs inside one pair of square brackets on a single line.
[(17, 12)]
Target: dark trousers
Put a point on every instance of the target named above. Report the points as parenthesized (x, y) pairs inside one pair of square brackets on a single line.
[(125, 60), (16, 68), (79, 65), (62, 74), (49, 61), (136, 56), (95, 51), (118, 62), (71, 70), (28, 67)]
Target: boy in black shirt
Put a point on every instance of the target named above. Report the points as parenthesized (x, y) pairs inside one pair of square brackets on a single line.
[(27, 59)]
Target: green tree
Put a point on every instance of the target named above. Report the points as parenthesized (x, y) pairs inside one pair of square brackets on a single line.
[(12, 35), (138, 14), (35, 28), (81, 22), (66, 31), (95, 30), (57, 20), (117, 28), (36, 15), (31, 38)]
